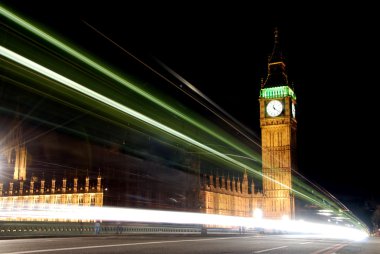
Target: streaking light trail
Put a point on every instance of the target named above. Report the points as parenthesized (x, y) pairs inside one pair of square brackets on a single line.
[(227, 121), (80, 88), (57, 212), (185, 82), (193, 88), (81, 57), (202, 95), (107, 101), (121, 108)]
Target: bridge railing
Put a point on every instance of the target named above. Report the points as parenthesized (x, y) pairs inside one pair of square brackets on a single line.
[(21, 229)]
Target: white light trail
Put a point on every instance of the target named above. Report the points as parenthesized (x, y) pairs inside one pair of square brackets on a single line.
[(197, 91), (193, 88), (109, 102), (64, 212)]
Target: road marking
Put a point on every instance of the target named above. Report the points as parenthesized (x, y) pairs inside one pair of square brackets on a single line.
[(305, 243), (325, 249), (123, 244), (331, 249), (336, 248), (260, 251)]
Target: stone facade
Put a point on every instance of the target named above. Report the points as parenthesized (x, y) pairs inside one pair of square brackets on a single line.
[(27, 195), (220, 195), (20, 193)]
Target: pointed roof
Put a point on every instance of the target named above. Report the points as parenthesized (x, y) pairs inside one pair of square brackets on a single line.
[(276, 66), (245, 175), (276, 55)]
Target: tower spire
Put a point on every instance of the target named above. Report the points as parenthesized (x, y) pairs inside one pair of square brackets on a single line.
[(276, 35), (276, 66), (276, 55)]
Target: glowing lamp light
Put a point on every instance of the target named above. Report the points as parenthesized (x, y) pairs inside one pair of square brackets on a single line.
[(258, 213)]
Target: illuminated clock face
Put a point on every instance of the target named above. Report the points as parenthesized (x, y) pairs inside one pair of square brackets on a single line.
[(293, 110), (274, 108)]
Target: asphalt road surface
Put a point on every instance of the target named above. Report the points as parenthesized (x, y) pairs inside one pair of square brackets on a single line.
[(190, 244)]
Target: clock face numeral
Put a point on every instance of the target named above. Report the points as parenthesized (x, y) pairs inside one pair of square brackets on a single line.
[(274, 108)]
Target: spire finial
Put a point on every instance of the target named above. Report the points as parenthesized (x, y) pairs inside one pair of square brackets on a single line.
[(276, 35), (276, 55), (276, 66)]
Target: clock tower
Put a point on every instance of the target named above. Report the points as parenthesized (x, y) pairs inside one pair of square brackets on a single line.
[(278, 137)]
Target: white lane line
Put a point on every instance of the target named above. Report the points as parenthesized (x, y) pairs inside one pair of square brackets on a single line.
[(329, 249), (333, 251), (260, 251), (305, 243), (120, 245)]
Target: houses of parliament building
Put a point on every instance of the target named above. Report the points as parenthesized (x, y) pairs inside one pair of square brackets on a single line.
[(208, 193)]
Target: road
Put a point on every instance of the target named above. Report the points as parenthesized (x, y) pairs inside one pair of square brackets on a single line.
[(190, 244)]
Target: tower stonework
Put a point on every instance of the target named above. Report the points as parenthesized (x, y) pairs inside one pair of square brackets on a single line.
[(14, 150), (278, 134), (220, 195)]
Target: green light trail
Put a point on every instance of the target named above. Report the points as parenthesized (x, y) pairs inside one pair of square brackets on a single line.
[(107, 101), (118, 106), (80, 88), (23, 23)]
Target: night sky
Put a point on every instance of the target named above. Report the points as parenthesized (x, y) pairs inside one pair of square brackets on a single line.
[(331, 55)]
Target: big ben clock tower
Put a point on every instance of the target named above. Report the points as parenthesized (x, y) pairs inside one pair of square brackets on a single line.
[(278, 134)]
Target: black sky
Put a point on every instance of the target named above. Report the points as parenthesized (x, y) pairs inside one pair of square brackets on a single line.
[(331, 55)]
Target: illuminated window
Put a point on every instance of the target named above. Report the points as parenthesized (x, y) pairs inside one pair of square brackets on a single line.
[(69, 199)]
